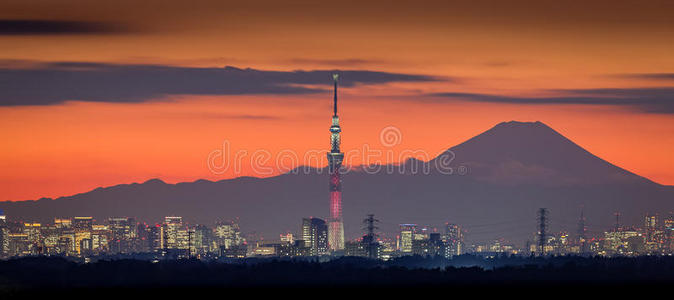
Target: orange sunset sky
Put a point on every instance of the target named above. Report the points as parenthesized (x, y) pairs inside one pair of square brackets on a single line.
[(84, 100)]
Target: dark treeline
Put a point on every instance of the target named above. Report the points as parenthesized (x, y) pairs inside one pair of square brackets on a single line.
[(52, 273)]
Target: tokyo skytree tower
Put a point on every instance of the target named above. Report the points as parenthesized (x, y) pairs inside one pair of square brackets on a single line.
[(335, 158)]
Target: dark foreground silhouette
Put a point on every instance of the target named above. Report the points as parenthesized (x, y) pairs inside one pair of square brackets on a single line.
[(50, 275)]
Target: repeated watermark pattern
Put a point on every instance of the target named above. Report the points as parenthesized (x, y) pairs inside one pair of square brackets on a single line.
[(373, 160)]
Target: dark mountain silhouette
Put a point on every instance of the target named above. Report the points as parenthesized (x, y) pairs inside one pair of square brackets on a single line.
[(531, 152), (512, 170)]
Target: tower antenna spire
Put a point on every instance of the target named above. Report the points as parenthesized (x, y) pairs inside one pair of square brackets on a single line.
[(335, 78)]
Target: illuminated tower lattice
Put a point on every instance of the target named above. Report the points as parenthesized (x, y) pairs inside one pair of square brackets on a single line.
[(335, 158)]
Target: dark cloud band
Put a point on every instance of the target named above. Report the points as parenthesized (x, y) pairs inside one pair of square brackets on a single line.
[(50, 83), (653, 76), (51, 27), (652, 100)]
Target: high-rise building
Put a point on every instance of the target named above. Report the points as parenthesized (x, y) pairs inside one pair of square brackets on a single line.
[(174, 235), (4, 241), (429, 246), (228, 235), (287, 238), (123, 234), (4, 235), (315, 236), (229, 240), (669, 234), (406, 236), (650, 226), (582, 234), (19, 244), (141, 243), (63, 223), (623, 242), (33, 232), (50, 236), (200, 240), (83, 223), (66, 243), (335, 158), (655, 238), (355, 248), (100, 238), (82, 227), (306, 232), (155, 238), (453, 239)]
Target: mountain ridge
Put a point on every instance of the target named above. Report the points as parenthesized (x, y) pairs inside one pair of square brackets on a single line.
[(276, 204), (507, 124), (547, 153)]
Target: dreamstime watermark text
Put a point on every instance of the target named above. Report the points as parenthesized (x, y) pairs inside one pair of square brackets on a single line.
[(389, 157)]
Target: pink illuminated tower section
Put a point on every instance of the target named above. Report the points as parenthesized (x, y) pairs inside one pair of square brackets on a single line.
[(335, 158)]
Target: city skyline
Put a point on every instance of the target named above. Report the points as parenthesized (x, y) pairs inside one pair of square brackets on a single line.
[(83, 236), (180, 148)]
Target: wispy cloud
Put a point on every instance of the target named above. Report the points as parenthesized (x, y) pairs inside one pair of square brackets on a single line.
[(336, 62), (226, 116), (654, 76), (55, 27), (652, 100), (55, 82)]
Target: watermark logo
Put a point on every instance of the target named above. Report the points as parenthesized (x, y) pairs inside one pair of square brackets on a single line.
[(389, 156), (390, 136)]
